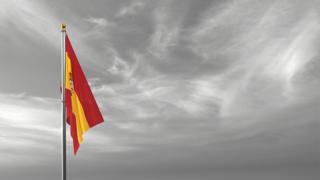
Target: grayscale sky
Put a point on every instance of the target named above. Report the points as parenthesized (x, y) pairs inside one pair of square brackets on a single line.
[(189, 89)]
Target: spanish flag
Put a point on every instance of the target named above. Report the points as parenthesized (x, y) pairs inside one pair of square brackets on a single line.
[(82, 111)]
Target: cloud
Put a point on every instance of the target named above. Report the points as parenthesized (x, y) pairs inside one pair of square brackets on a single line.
[(29, 124), (36, 21), (130, 9), (262, 64), (101, 22), (119, 66), (165, 34), (32, 18)]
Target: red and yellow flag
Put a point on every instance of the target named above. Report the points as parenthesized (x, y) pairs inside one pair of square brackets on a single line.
[(81, 108)]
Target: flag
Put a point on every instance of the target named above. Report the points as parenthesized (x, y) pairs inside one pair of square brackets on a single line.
[(82, 111)]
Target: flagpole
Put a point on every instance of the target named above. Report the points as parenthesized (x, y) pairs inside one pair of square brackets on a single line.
[(63, 123)]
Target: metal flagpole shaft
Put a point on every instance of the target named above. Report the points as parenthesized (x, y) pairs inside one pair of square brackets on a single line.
[(63, 72)]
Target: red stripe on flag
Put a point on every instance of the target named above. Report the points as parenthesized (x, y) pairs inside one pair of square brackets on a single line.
[(81, 87)]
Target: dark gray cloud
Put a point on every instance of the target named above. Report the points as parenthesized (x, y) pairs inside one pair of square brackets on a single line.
[(189, 89)]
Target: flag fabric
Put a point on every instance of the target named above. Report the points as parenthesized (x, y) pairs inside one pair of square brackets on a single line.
[(82, 111)]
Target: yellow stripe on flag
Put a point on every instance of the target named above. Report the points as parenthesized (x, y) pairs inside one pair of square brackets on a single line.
[(68, 72), (77, 109)]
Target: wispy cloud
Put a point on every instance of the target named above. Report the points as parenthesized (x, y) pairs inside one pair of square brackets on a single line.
[(130, 9), (262, 64), (165, 34), (100, 22), (28, 124), (32, 18)]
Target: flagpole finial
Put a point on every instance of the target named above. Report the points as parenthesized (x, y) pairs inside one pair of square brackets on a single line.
[(63, 27)]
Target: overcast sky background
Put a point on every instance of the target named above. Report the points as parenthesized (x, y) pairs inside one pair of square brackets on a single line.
[(189, 89)]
